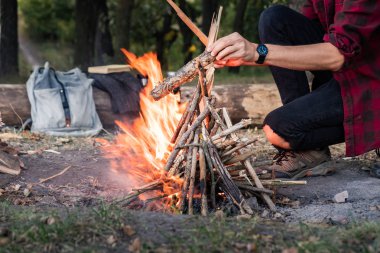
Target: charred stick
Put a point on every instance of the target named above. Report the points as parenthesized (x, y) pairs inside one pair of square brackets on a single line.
[(254, 189), (202, 182), (174, 169), (185, 136), (229, 186), (192, 172), (210, 166), (185, 120), (189, 145), (185, 186), (183, 75), (258, 183)]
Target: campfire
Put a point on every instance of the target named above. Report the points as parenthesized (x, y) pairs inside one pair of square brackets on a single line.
[(189, 157)]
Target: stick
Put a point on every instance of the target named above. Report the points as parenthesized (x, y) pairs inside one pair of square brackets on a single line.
[(183, 75), (202, 182), (258, 183), (186, 117), (54, 176), (240, 158), (278, 182), (254, 189), (202, 37), (232, 129), (238, 147), (251, 170), (184, 137), (210, 166), (193, 170)]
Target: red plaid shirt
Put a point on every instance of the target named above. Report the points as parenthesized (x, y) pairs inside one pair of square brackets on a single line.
[(353, 26)]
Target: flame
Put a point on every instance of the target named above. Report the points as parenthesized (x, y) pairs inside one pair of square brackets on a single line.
[(141, 149)]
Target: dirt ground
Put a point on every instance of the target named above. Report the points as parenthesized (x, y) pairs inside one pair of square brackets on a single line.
[(90, 181), (90, 178)]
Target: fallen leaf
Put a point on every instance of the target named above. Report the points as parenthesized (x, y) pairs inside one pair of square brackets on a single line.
[(111, 239), (135, 246), (27, 192), (290, 250), (3, 241), (50, 221), (16, 187), (128, 230)]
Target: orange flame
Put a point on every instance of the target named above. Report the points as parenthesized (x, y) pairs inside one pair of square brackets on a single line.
[(141, 148)]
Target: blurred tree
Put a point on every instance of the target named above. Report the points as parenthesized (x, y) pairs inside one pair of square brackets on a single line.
[(239, 19), (208, 9), (103, 40), (188, 47), (124, 14), (47, 19), (8, 38), (91, 32)]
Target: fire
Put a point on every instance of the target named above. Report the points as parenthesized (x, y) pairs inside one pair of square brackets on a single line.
[(141, 149)]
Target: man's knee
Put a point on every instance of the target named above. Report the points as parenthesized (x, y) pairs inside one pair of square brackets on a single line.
[(269, 19)]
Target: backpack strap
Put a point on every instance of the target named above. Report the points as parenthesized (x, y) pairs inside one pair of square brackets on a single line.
[(65, 103)]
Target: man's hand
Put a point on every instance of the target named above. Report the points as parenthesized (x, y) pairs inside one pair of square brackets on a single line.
[(233, 50)]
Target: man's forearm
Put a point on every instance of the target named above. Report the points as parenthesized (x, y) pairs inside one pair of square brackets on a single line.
[(321, 56)]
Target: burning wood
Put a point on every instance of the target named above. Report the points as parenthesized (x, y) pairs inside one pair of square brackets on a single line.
[(204, 163), (206, 150)]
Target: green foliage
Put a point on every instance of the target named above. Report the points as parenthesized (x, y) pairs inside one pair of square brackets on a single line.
[(47, 19)]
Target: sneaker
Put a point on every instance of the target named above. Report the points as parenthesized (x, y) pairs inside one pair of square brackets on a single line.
[(292, 164)]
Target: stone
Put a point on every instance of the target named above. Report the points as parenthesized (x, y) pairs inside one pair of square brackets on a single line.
[(341, 197)]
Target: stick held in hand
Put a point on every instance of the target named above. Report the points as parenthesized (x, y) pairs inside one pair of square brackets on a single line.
[(183, 75)]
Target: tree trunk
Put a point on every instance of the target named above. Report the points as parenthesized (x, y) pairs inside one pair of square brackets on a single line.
[(208, 9), (103, 42), (86, 21), (123, 23), (241, 6), (161, 43), (8, 38), (242, 101), (187, 34)]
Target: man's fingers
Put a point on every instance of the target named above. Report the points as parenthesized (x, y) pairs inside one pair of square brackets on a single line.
[(221, 44), (225, 52)]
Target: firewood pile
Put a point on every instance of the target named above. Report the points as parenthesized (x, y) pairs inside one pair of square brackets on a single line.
[(209, 156)]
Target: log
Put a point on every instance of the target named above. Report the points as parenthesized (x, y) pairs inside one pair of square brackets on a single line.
[(242, 101), (183, 75)]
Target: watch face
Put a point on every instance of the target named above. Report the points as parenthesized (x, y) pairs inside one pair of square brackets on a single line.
[(262, 50)]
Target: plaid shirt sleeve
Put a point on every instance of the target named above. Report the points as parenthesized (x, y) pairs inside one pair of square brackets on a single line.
[(308, 10), (354, 23)]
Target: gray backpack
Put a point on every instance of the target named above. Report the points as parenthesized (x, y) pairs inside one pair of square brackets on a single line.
[(62, 103)]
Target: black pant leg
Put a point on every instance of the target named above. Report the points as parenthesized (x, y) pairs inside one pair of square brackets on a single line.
[(312, 121)]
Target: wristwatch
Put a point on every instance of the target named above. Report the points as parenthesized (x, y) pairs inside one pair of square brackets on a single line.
[(262, 50)]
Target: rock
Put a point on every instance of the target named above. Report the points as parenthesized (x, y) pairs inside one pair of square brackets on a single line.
[(264, 214), (341, 197), (277, 215), (252, 202)]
